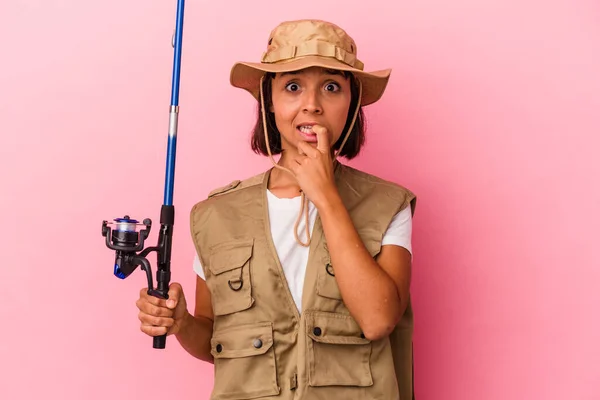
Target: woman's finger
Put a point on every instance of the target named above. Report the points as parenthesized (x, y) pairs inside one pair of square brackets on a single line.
[(153, 330), (305, 148), (151, 309), (151, 320)]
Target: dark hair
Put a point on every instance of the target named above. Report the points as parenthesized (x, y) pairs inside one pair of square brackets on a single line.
[(352, 146)]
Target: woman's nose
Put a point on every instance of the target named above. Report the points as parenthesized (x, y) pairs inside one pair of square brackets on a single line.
[(312, 103)]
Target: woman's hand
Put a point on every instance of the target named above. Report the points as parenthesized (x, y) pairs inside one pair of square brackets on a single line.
[(313, 169), (160, 316)]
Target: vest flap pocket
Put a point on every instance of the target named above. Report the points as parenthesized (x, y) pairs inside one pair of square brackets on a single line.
[(326, 284), (230, 277), (230, 255), (242, 341), (324, 327), (337, 352), (244, 362)]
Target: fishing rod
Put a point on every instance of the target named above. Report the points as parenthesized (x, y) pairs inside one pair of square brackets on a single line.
[(124, 237)]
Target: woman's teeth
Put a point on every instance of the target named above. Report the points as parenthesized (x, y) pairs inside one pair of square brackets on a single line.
[(306, 129)]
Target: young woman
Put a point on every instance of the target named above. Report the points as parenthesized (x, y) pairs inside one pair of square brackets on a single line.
[(303, 270)]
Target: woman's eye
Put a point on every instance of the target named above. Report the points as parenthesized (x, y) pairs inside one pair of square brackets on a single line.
[(332, 87), (292, 87)]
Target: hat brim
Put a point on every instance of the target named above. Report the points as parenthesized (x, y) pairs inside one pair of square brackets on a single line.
[(246, 75)]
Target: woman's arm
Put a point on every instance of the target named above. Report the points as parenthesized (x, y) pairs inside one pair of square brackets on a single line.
[(375, 291), (196, 330)]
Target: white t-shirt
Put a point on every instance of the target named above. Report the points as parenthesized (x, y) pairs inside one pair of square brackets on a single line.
[(283, 214)]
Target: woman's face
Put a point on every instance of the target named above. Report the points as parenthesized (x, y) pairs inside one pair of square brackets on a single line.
[(304, 98)]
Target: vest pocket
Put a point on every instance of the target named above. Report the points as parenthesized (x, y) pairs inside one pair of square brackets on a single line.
[(244, 361), (326, 284), (229, 281), (337, 352)]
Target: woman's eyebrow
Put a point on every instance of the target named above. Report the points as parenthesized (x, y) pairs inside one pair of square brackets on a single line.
[(334, 72), (326, 72), (289, 73)]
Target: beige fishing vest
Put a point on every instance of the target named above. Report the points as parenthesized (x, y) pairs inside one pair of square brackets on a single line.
[(262, 346)]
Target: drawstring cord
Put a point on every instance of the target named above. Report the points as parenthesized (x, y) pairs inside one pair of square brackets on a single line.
[(304, 199)]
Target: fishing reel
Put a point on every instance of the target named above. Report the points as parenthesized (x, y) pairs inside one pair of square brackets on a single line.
[(127, 238)]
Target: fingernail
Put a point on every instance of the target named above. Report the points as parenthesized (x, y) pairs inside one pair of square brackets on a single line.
[(171, 303)]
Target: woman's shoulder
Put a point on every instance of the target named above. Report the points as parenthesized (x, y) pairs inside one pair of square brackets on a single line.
[(237, 185), (225, 193), (370, 183)]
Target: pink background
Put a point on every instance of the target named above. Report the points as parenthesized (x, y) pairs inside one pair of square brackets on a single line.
[(491, 117)]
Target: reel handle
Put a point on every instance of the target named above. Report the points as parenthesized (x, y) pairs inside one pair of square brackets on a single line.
[(159, 342)]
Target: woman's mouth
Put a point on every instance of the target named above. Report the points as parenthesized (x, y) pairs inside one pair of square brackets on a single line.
[(307, 133)]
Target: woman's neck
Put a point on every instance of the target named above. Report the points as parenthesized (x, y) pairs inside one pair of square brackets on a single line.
[(282, 183)]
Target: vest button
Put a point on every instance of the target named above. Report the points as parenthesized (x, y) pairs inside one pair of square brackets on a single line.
[(317, 331), (258, 343), (219, 348)]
